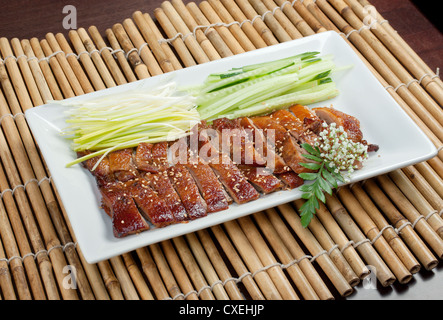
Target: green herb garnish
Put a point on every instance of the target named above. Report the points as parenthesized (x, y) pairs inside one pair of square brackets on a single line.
[(332, 153)]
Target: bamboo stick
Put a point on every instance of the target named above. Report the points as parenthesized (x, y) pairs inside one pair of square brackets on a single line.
[(157, 36), (234, 28), (424, 187), (137, 277), (252, 261), (296, 252), (320, 16), (57, 43), (280, 33), (300, 280), (414, 242), (25, 170), (237, 15), (422, 226), (178, 271), (59, 75), (316, 250), (366, 250), (49, 210), (36, 71), (32, 48), (95, 279), (15, 220), (378, 63), (396, 243), (192, 44), (325, 240), (70, 67), (395, 65), (295, 18), (419, 201), (308, 17), (13, 229), (371, 231), (34, 237), (286, 18), (237, 263), (16, 264), (121, 57), (210, 41), (250, 13), (219, 265), (140, 69), (108, 58), (85, 59), (96, 58), (192, 268), (6, 285), (207, 268), (178, 43), (402, 42), (151, 271), (145, 54), (14, 72), (26, 72), (265, 255), (403, 57), (164, 270), (437, 163), (148, 34), (123, 278), (38, 206), (340, 238), (110, 281), (431, 176), (213, 18)]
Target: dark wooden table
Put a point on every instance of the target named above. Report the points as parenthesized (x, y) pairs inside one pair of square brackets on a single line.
[(415, 21)]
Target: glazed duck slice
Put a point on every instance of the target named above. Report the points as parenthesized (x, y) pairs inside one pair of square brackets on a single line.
[(305, 114), (274, 162), (102, 172), (121, 207), (152, 207), (297, 128), (350, 124), (151, 157), (290, 179), (238, 142), (233, 180), (235, 183), (210, 187), (122, 164), (283, 142), (161, 184), (187, 189), (261, 178)]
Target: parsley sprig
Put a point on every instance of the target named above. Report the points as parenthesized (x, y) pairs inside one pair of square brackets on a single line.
[(324, 179), (334, 158)]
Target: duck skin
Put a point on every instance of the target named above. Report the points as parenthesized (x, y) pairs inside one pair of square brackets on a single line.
[(120, 206)]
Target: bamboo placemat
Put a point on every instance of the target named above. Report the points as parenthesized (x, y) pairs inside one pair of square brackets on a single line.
[(392, 222)]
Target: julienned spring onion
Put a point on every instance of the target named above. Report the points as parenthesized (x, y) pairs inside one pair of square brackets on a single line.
[(264, 87), (124, 120)]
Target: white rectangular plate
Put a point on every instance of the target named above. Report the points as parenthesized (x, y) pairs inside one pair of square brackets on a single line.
[(383, 122)]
